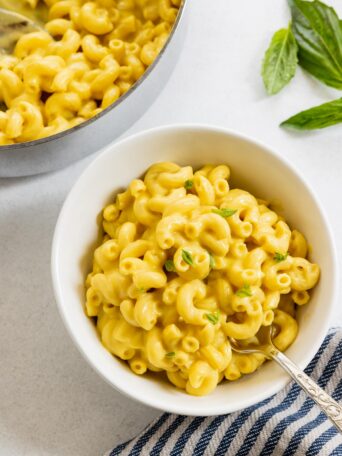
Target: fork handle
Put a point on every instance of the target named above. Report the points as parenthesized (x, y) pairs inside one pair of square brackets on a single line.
[(328, 405)]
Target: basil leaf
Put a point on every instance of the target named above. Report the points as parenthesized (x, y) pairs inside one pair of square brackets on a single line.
[(187, 257), (280, 61), (321, 116), (318, 33)]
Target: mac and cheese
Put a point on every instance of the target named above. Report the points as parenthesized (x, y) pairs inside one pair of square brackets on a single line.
[(185, 263), (90, 54)]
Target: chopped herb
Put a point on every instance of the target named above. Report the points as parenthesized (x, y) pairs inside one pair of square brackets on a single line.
[(213, 317), (278, 257), (244, 292), (187, 257), (225, 212), (188, 184), (142, 290), (211, 261), (170, 266), (170, 354)]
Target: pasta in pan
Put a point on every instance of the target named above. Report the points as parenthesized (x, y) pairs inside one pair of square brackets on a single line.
[(89, 55), (186, 262)]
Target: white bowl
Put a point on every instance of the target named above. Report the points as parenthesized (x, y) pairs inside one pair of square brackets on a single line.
[(255, 168)]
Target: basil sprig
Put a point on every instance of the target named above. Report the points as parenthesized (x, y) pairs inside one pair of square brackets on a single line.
[(315, 39), (280, 62), (321, 116)]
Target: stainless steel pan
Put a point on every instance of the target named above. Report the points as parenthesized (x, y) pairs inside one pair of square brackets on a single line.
[(60, 150)]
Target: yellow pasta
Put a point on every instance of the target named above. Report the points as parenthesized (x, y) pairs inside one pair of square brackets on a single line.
[(186, 263), (90, 54)]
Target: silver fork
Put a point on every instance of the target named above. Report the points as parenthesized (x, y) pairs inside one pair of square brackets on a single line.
[(328, 405)]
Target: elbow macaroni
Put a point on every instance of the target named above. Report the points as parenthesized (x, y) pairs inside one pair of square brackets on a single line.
[(91, 53), (185, 264)]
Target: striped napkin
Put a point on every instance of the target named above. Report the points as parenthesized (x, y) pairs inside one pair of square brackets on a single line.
[(288, 423)]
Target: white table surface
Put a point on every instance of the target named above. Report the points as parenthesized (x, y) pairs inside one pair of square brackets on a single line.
[(51, 402)]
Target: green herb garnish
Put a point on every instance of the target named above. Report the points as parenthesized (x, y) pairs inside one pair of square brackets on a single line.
[(244, 292), (318, 33), (142, 290), (280, 61), (188, 184), (187, 257), (322, 116), (225, 212), (211, 261), (278, 257), (170, 354), (213, 317), (314, 39), (170, 266)]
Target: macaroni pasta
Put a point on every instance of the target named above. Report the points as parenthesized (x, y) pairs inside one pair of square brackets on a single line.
[(185, 263), (90, 54)]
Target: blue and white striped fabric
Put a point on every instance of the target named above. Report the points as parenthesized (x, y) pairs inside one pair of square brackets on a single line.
[(288, 423)]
